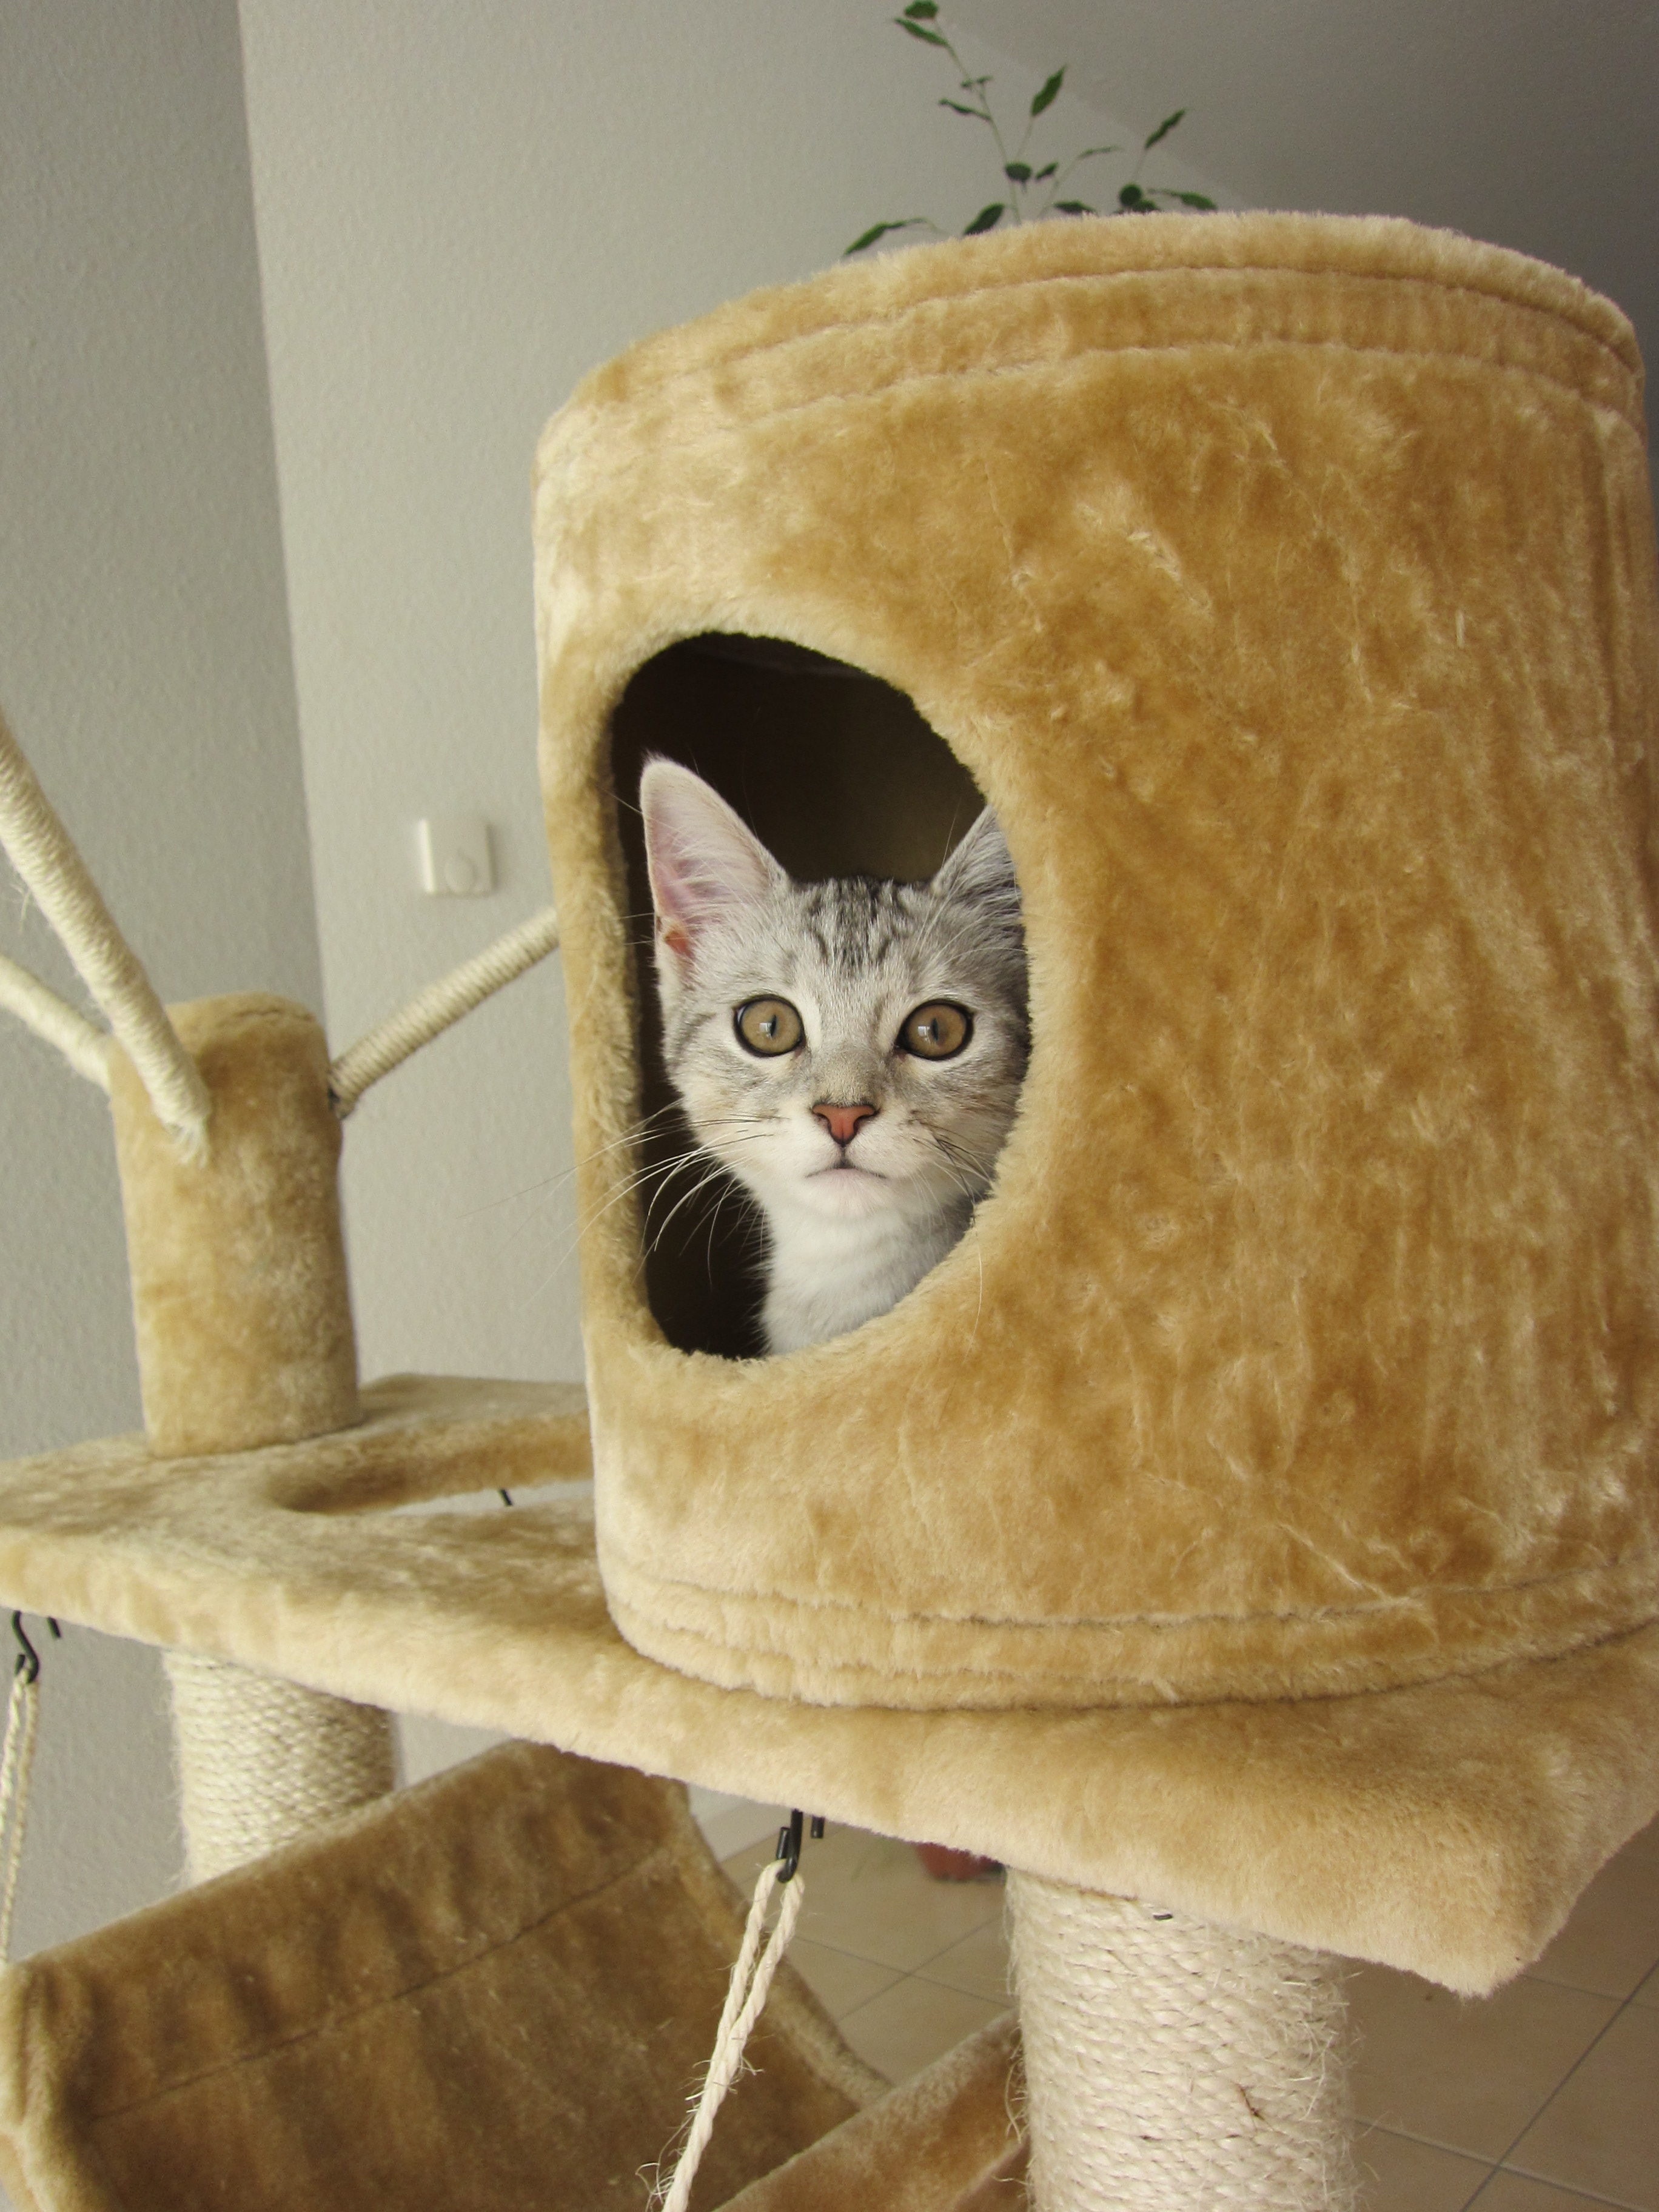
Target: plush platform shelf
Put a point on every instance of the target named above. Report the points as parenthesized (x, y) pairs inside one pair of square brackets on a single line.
[(1444, 1827)]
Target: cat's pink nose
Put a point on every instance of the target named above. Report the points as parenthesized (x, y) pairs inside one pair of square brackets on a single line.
[(843, 1122)]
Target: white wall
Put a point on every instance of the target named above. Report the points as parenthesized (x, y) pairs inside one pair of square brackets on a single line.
[(145, 664)]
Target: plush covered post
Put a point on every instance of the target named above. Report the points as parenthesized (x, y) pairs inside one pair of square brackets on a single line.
[(1287, 585), (245, 1338), (1169, 2062), (239, 1281)]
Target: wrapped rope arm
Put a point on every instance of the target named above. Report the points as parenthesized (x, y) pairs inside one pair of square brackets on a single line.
[(85, 1048), (45, 856), (435, 1008)]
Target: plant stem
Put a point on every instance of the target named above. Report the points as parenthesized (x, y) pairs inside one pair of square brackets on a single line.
[(975, 87)]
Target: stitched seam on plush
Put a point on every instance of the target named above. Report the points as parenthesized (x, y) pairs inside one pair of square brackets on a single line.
[(667, 386), (660, 1852), (617, 474), (1155, 1624), (1051, 1691)]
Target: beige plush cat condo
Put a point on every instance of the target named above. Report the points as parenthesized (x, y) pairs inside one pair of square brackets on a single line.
[(1255, 1514)]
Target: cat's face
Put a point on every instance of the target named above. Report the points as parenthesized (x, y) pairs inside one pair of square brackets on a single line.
[(851, 1049)]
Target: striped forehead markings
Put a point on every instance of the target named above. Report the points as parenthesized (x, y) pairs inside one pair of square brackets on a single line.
[(856, 922)]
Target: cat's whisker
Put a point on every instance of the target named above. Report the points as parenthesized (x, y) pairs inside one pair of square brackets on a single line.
[(658, 1171), (720, 1172), (548, 1184), (715, 1175), (979, 1303), (552, 1187), (586, 1228), (659, 1174)]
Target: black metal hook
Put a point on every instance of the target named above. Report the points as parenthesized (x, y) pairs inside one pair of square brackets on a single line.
[(788, 1848), (29, 1659)]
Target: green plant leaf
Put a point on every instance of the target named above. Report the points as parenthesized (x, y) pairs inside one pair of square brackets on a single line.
[(1042, 175), (956, 108), (1168, 193), (1089, 153), (987, 219), (919, 31), (1049, 93), (1134, 201), (922, 11), (1163, 128), (1074, 207), (880, 230), (1018, 172)]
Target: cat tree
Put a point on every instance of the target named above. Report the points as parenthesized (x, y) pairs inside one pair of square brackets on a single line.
[(1255, 1514)]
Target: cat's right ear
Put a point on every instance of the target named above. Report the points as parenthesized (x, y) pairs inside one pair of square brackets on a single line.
[(704, 859)]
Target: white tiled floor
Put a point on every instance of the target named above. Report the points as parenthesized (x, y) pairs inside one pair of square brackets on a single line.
[(1542, 2098)]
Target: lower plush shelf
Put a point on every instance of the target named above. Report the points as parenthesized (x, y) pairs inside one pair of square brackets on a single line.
[(1447, 1828)]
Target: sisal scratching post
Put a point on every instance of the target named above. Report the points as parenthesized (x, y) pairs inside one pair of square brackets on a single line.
[(1171, 2062), (245, 1338), (263, 1762)]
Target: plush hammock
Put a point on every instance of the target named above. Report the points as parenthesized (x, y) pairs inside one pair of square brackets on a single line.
[(1255, 1514)]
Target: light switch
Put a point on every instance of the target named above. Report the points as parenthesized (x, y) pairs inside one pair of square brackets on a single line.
[(454, 856)]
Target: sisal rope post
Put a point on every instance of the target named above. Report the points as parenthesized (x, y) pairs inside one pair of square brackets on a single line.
[(261, 1762), (1170, 2064)]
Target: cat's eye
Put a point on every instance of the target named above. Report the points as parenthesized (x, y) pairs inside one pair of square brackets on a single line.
[(768, 1027), (938, 1031)]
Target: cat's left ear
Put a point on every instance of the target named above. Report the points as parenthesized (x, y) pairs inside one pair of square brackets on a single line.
[(703, 859), (982, 868)]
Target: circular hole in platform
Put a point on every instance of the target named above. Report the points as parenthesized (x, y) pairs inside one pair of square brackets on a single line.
[(838, 775)]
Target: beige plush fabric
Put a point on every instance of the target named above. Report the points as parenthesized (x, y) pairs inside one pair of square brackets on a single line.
[(943, 2141), (490, 1992), (1287, 584), (1447, 1827), (237, 1263)]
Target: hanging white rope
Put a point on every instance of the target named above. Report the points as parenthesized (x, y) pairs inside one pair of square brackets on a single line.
[(43, 855), (390, 1042), (749, 1984), (86, 1048), (16, 1768)]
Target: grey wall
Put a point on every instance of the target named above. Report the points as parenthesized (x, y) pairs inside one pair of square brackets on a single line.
[(145, 664)]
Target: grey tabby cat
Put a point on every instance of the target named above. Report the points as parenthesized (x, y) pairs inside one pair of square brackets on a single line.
[(852, 1051)]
